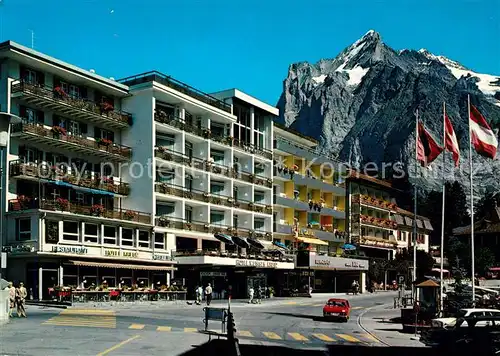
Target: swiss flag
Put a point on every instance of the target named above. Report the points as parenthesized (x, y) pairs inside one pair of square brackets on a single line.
[(483, 138), (427, 148), (451, 142)]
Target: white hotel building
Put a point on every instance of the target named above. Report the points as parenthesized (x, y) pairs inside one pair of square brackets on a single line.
[(211, 173), (128, 181)]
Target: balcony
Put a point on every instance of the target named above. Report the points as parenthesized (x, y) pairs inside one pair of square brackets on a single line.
[(32, 171), (205, 133), (290, 203), (311, 182), (252, 255), (377, 222), (56, 139), (67, 105), (283, 229), (375, 241), (307, 153), (325, 234), (203, 164), (217, 199), (168, 81), (374, 202), (65, 206)]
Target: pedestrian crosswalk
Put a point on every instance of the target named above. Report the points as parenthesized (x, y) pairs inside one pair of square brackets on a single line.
[(98, 318), (94, 318)]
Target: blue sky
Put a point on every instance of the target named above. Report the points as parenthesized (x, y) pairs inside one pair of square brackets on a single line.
[(248, 44)]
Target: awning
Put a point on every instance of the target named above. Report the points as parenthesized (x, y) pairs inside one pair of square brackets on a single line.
[(85, 189), (439, 270), (123, 266), (313, 241), (398, 219), (240, 241)]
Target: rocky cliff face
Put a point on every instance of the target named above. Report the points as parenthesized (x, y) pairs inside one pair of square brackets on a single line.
[(361, 107)]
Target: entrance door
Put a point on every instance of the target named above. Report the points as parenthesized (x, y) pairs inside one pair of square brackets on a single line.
[(49, 280)]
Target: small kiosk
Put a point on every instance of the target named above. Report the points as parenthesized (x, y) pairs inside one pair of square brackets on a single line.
[(424, 308)]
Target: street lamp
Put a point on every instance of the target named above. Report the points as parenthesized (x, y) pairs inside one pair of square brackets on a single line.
[(5, 120)]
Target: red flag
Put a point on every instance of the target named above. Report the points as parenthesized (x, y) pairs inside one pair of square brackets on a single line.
[(427, 148), (451, 142), (483, 138)]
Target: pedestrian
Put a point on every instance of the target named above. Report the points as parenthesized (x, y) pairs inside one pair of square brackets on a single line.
[(12, 298), (259, 294), (208, 293), (251, 292), (21, 295), (197, 295)]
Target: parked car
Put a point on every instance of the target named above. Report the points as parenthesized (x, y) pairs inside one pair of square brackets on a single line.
[(465, 313), (337, 309)]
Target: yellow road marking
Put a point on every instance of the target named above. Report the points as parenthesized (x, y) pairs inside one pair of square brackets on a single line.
[(356, 308), (271, 335), (163, 328), (318, 305), (371, 337), (190, 330), (291, 303), (137, 326), (298, 337), (105, 352), (245, 333), (93, 325), (348, 337), (323, 337), (88, 312)]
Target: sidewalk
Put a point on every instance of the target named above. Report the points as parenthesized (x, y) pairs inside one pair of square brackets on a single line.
[(377, 322)]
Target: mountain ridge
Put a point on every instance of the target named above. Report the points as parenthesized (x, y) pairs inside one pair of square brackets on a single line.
[(361, 106)]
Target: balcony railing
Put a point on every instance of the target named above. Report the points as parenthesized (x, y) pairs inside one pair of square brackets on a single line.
[(66, 104), (178, 123), (374, 202), (217, 199), (32, 170), (283, 229), (36, 133), (155, 76), (198, 163), (253, 255), (63, 205), (379, 222)]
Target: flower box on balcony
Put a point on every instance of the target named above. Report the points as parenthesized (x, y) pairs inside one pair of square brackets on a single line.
[(59, 93), (62, 204), (104, 142), (106, 107), (129, 215), (97, 210), (58, 130)]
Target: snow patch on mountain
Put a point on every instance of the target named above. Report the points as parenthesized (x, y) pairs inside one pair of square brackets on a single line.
[(355, 75), (319, 79)]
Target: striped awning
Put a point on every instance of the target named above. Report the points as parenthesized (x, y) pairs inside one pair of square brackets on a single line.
[(398, 219), (123, 266), (312, 241)]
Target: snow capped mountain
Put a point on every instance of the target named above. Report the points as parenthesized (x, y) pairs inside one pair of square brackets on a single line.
[(360, 105)]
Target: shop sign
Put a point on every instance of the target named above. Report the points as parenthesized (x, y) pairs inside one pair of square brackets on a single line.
[(213, 274), (355, 264), (336, 263), (70, 249), (118, 253), (158, 257), (259, 264)]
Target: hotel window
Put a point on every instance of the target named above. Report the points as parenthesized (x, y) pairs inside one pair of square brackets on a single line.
[(75, 128), (189, 214), (217, 156), (258, 139), (259, 197), (159, 240), (188, 182), (216, 188), (166, 140), (189, 149), (91, 233), (165, 209), (104, 134), (259, 224), (109, 236), (235, 221), (259, 169), (23, 229), (144, 239), (166, 109), (128, 237), (70, 89), (71, 230), (218, 129), (216, 218), (166, 176)]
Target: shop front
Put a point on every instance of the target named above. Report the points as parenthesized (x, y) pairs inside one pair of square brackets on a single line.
[(331, 274), (231, 275), (84, 267)]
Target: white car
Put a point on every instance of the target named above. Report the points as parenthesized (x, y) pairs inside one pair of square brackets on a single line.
[(462, 313)]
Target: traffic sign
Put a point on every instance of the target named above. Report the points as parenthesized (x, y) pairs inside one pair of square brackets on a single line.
[(401, 279)]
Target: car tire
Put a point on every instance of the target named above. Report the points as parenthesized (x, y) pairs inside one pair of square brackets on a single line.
[(346, 319)]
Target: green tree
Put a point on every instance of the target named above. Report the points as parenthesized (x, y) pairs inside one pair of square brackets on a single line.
[(486, 205), (484, 258)]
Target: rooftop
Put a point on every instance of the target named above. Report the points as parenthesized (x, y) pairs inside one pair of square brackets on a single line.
[(236, 93), (294, 132), (155, 76), (20, 53)]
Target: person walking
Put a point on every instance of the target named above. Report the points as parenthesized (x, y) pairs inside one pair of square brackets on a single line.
[(251, 292), (208, 293), (197, 295), (12, 297), (21, 295), (259, 294)]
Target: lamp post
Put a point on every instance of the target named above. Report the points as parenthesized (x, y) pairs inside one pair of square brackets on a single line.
[(5, 120)]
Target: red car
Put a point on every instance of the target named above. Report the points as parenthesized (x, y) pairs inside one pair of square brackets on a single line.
[(338, 309)]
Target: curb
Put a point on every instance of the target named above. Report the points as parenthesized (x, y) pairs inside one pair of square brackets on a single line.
[(360, 324)]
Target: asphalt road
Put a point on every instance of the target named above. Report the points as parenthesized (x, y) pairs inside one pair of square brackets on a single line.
[(160, 329)]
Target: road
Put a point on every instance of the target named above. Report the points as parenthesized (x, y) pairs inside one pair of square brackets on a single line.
[(160, 329)]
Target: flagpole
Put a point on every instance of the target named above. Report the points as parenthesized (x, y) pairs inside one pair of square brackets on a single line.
[(442, 213), (471, 206), (415, 210)]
